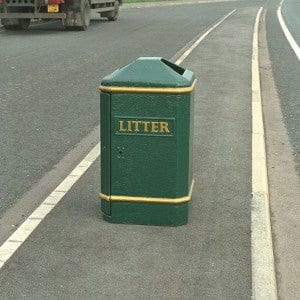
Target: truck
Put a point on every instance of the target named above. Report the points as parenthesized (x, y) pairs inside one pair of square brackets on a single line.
[(75, 14)]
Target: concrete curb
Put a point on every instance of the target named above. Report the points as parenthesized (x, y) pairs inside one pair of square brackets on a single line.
[(263, 267)]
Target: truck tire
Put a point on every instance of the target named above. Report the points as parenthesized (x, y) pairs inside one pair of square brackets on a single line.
[(79, 16), (85, 14), (113, 16)]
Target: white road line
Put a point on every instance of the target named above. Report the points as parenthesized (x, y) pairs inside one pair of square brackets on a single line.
[(30, 224), (263, 268), (287, 33), (10, 246), (189, 51)]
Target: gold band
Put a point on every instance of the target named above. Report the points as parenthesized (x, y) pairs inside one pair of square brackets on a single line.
[(151, 90), (150, 199)]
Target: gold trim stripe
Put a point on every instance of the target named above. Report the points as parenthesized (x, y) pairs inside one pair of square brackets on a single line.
[(151, 90), (149, 199)]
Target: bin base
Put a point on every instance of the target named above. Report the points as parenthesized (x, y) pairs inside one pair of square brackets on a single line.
[(148, 213)]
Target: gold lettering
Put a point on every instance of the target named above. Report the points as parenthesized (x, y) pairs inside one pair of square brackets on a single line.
[(164, 127), (129, 126), (154, 127), (121, 126), (136, 125), (146, 124)]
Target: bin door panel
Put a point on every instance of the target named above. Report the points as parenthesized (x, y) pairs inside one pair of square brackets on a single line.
[(105, 115), (143, 166), (143, 145), (149, 142)]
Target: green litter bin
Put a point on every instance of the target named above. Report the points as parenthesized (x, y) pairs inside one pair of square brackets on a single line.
[(146, 112)]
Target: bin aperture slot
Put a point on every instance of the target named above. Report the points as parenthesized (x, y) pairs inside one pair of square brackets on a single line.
[(174, 67)]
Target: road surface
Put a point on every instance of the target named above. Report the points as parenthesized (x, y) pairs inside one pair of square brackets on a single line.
[(50, 120)]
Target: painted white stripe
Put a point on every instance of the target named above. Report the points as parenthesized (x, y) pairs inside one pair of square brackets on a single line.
[(189, 51), (30, 224), (263, 269), (287, 33)]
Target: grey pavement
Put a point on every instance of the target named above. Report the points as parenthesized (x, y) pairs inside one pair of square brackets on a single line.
[(74, 253)]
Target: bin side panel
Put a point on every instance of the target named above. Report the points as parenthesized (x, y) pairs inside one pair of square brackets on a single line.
[(183, 144), (191, 138), (105, 132)]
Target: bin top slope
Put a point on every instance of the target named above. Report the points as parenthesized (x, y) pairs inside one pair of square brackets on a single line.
[(150, 72)]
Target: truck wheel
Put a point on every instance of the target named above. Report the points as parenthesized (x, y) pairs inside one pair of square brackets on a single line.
[(85, 15), (113, 16)]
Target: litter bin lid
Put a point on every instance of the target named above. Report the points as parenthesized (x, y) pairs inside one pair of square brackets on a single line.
[(149, 74)]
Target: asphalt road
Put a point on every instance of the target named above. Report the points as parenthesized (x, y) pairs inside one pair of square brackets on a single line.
[(49, 79), (280, 84), (49, 103), (286, 68), (291, 12)]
